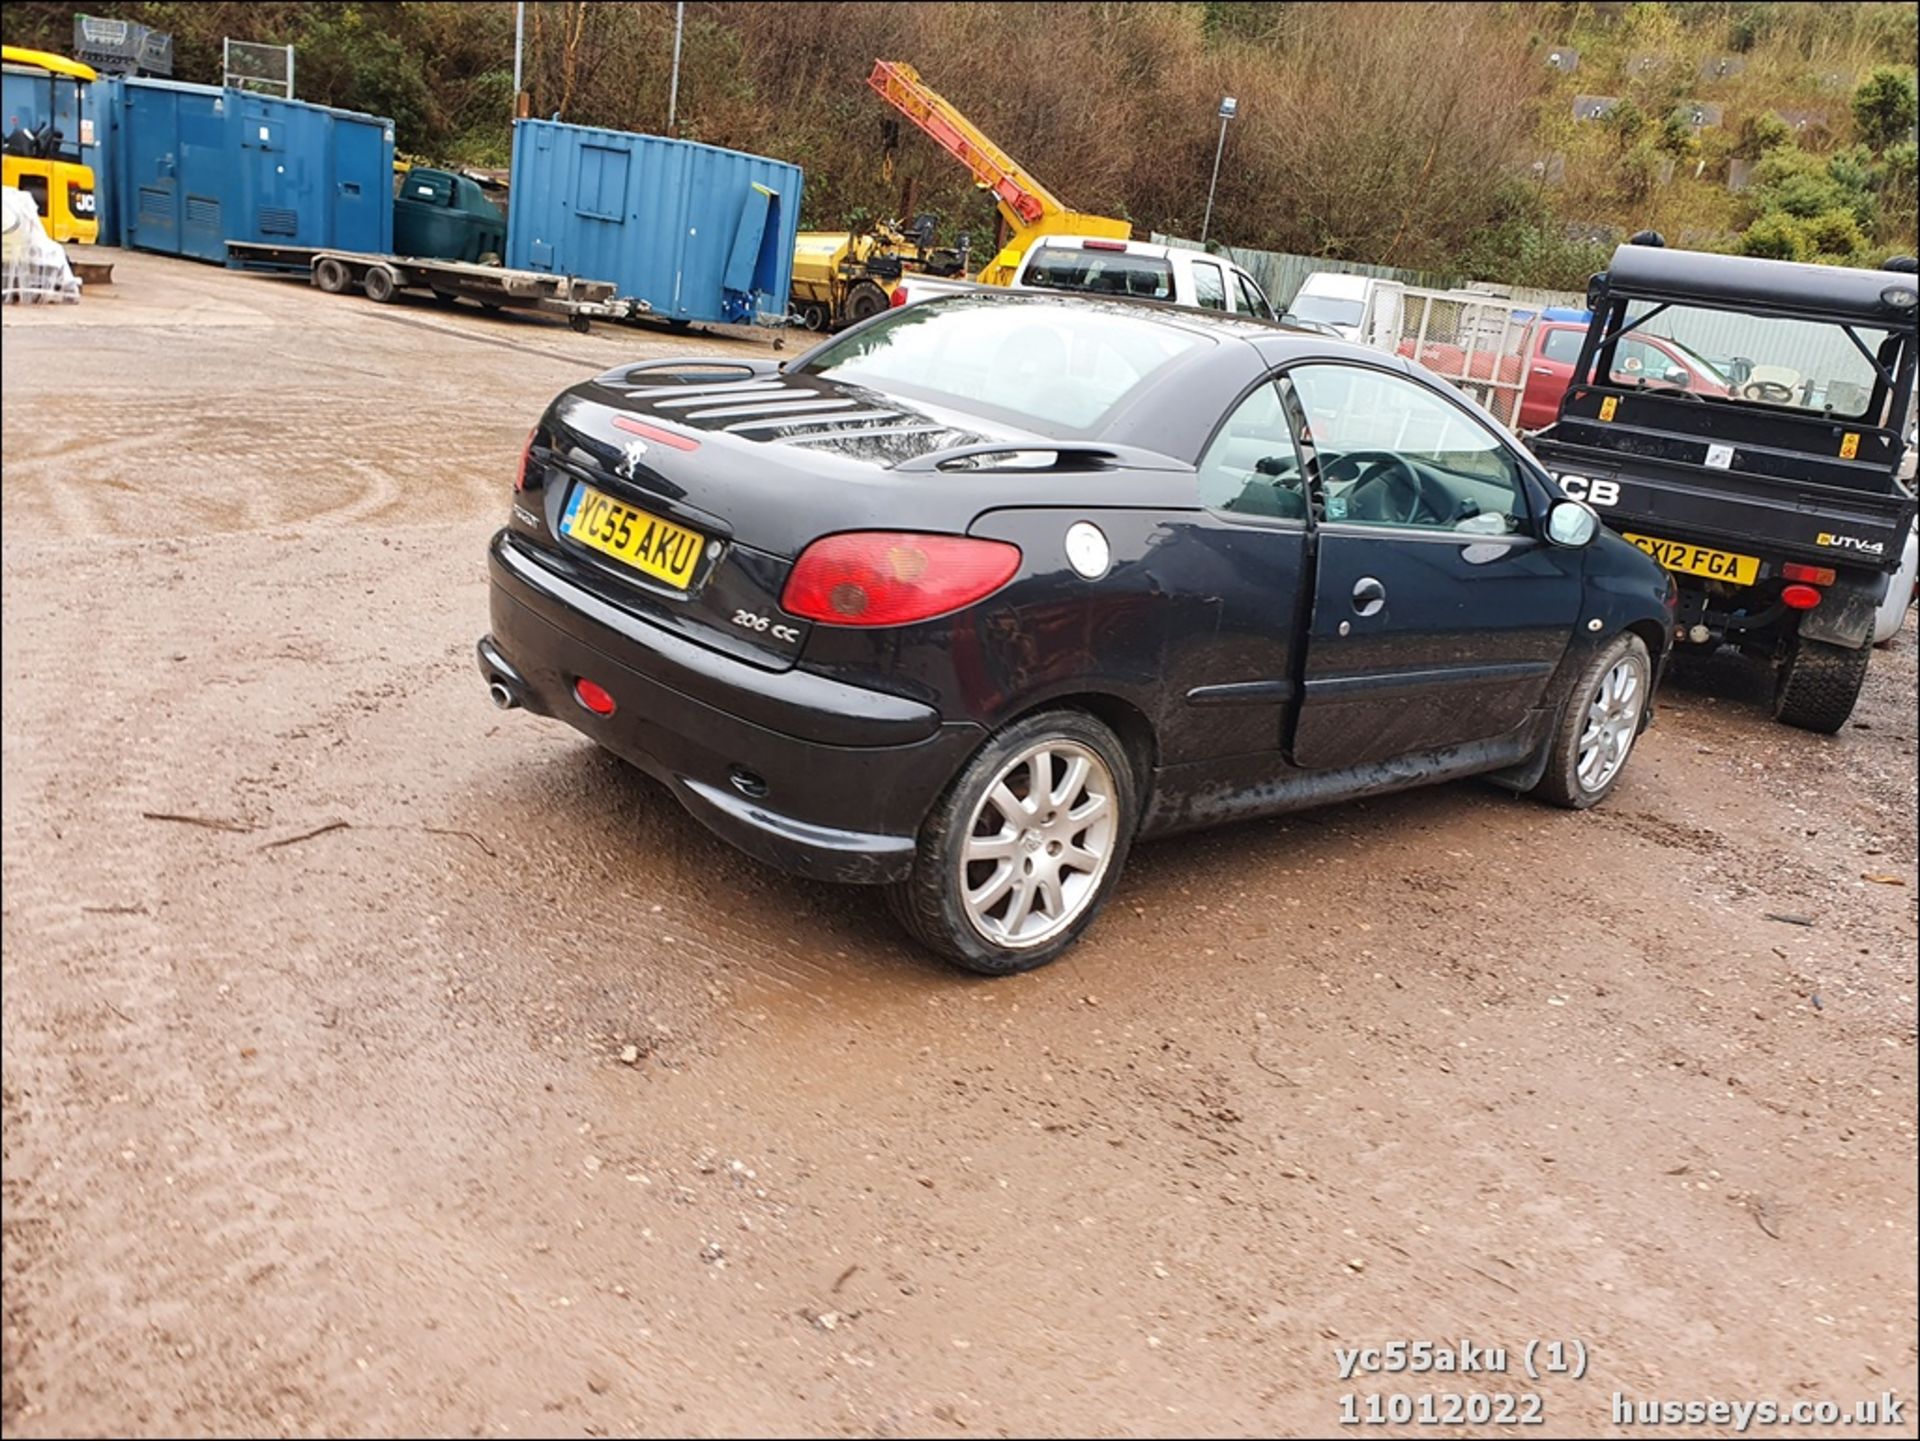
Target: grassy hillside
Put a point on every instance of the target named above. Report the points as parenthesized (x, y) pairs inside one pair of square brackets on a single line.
[(1413, 134)]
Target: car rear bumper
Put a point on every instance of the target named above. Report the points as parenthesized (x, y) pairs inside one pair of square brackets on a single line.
[(816, 777)]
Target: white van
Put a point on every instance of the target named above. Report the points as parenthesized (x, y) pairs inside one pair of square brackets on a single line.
[(1337, 303)]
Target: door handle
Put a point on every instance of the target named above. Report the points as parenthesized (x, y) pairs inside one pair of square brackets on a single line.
[(1369, 596), (1543, 370)]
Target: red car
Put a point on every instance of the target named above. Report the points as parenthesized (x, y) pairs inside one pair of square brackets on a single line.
[(1652, 360)]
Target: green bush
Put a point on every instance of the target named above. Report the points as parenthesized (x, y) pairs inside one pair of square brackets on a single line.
[(1763, 133), (1522, 243), (1677, 137), (1626, 120), (1835, 235), (1777, 237), (1894, 181), (1884, 107), (1806, 185)]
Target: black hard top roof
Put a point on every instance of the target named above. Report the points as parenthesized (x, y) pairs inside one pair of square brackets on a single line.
[(1762, 287), (1276, 340)]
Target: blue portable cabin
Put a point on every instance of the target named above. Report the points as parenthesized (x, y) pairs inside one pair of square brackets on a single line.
[(698, 232), (29, 96), (195, 166)]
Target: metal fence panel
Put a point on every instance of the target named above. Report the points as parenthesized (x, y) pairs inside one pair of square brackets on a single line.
[(1281, 273)]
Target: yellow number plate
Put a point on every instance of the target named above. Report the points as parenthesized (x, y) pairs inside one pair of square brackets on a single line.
[(1698, 560), (656, 547)]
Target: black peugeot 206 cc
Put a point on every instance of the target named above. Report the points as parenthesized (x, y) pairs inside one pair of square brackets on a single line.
[(964, 600)]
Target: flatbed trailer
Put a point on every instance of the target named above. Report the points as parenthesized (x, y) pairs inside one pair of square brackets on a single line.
[(382, 277)]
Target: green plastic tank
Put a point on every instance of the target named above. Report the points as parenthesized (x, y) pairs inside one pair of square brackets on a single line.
[(443, 216)]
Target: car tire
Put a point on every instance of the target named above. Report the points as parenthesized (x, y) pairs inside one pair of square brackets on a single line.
[(1819, 684), (1063, 852), (1599, 722)]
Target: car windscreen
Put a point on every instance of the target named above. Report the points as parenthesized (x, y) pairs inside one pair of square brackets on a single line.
[(1100, 272), (1326, 309), (1055, 367), (1795, 364)]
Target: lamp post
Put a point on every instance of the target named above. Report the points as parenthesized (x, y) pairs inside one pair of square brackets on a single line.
[(519, 39), (673, 86), (1229, 107)]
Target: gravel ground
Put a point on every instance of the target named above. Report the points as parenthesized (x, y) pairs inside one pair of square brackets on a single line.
[(376, 1063)]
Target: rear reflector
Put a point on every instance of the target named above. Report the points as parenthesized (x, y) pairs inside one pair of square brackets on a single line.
[(593, 697), (1811, 574), (1120, 245), (526, 459), (654, 433), (879, 577), (1800, 597), (899, 297)]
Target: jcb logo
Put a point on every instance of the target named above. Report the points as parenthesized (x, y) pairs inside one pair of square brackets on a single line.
[(1594, 492)]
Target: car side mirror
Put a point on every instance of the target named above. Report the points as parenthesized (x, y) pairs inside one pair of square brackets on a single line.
[(1572, 523), (1678, 377)]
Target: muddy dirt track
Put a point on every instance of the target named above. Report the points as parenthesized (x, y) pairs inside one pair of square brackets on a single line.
[(441, 1075)]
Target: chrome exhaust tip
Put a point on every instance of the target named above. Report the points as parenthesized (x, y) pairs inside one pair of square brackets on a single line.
[(502, 698)]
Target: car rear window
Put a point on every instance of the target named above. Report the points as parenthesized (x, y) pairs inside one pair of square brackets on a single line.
[(1053, 367), (1100, 272)]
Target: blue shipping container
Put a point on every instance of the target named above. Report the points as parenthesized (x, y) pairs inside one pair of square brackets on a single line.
[(697, 232), (195, 166)]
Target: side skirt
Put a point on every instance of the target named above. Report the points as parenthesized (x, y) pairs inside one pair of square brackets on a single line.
[(1210, 793)]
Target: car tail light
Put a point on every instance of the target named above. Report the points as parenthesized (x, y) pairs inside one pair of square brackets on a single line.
[(526, 459), (594, 697), (878, 577), (1811, 574), (899, 297), (1103, 245), (1801, 597)]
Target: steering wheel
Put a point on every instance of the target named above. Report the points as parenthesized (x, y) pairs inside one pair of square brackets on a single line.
[(1386, 488), (1768, 390)]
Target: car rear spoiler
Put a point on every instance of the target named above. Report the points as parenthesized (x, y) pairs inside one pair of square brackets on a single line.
[(1042, 456), (718, 370)]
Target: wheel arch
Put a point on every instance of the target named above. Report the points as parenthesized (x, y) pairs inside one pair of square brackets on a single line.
[(1119, 715), (1653, 635)]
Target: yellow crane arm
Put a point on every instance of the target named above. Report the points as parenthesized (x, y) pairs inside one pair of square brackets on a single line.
[(1029, 207)]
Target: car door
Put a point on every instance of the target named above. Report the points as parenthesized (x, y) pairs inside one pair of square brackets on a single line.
[(1242, 560), (1247, 297), (1439, 612), (1209, 285), (1549, 375)]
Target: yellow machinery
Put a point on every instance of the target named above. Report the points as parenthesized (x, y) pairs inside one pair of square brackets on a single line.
[(1029, 209), (840, 277), (833, 279), (45, 163)]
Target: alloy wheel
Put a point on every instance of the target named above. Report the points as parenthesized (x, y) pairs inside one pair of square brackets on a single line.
[(1613, 720), (1039, 843)]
